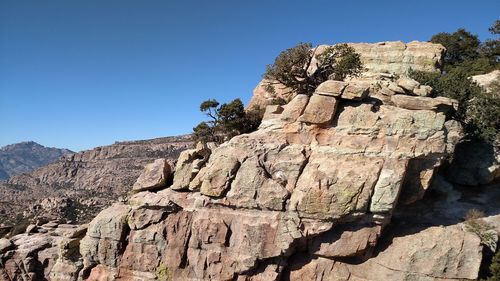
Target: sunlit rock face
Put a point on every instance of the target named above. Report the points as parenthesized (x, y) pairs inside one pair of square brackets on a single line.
[(322, 177)]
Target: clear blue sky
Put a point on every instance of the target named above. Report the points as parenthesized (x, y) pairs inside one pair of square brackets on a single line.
[(84, 73)]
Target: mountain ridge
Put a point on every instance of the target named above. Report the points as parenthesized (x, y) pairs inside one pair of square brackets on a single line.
[(27, 156)]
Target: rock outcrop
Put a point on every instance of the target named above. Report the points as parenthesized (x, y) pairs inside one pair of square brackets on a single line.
[(321, 180), (329, 187), (485, 80), (384, 57), (80, 185), (49, 251)]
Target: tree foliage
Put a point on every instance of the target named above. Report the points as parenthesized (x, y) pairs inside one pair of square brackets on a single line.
[(465, 50), (225, 121), (494, 268), (479, 111), (483, 114), (294, 67), (460, 45)]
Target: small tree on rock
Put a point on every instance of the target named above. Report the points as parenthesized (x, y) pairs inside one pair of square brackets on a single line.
[(225, 121), (293, 67)]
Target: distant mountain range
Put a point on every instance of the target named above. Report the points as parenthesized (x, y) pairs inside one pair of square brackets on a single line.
[(77, 186), (26, 156)]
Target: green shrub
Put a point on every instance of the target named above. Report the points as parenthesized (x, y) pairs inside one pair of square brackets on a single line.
[(478, 111), (225, 121), (163, 273), (483, 114), (495, 268), (291, 67), (460, 45)]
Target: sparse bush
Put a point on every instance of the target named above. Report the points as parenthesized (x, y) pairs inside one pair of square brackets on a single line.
[(226, 121), (474, 214), (163, 273), (291, 67), (486, 232)]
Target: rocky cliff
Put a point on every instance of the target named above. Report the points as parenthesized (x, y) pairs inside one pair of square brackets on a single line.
[(340, 185), (79, 185), (25, 157)]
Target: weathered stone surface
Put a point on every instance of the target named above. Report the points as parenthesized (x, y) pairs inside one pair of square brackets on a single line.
[(447, 253), (348, 241), (5, 245), (272, 111), (396, 57), (105, 238), (388, 186), (154, 176), (423, 90), (407, 83), (395, 88), (328, 191), (355, 91), (424, 103), (263, 96), (486, 80), (216, 177), (295, 108), (189, 164), (438, 253), (45, 255), (331, 88), (319, 110)]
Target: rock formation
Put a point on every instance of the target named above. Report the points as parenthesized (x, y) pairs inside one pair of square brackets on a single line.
[(383, 57), (329, 187), (485, 80), (80, 185)]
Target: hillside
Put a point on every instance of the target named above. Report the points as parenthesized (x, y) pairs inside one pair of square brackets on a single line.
[(79, 185), (25, 157)]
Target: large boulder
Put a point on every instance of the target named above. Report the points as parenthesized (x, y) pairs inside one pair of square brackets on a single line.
[(319, 110), (189, 164), (442, 104), (437, 253), (154, 176)]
